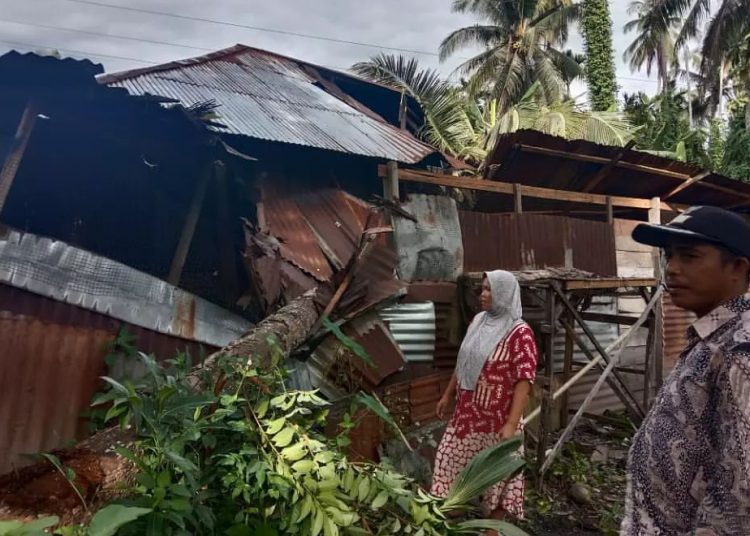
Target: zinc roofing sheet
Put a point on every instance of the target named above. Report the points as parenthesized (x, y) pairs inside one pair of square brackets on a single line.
[(270, 97)]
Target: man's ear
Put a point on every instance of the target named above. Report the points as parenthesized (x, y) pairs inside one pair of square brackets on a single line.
[(742, 267)]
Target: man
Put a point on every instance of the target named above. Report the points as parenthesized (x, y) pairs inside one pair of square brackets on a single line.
[(691, 457)]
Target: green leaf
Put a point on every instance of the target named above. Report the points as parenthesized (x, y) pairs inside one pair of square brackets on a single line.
[(284, 437), (109, 519), (34, 528), (275, 426), (304, 466), (295, 452), (380, 500), (307, 504), (356, 348), (317, 524), (363, 489), (486, 469)]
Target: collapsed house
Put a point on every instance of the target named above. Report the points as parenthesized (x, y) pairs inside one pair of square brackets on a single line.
[(184, 202)]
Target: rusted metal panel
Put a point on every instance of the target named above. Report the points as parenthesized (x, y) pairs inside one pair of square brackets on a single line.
[(533, 241), (270, 97), (297, 242), (50, 367), (676, 324), (333, 221), (506, 163)]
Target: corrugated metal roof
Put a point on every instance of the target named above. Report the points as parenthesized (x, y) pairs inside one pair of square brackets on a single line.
[(413, 327), (57, 270), (509, 161), (270, 97)]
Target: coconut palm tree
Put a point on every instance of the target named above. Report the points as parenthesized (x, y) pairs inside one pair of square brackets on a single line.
[(519, 39), (654, 44), (725, 40), (466, 126)]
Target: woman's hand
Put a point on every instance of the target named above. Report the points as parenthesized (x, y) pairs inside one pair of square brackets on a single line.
[(442, 407), (509, 431)]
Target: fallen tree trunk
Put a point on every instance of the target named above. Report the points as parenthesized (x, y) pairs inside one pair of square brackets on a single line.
[(40, 489)]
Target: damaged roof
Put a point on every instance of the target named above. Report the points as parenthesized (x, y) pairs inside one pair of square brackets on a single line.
[(533, 158), (275, 98)]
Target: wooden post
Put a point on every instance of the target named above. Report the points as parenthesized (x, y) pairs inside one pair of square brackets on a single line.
[(518, 197), (390, 184), (224, 231), (648, 367), (657, 357), (402, 109), (17, 150), (567, 369), (547, 387), (610, 211), (188, 228)]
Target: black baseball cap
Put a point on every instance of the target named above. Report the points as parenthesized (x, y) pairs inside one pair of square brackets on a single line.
[(705, 224)]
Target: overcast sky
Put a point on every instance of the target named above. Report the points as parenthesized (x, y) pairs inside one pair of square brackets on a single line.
[(417, 25)]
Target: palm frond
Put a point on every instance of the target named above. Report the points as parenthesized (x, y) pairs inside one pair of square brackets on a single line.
[(478, 34), (486, 469), (402, 74)]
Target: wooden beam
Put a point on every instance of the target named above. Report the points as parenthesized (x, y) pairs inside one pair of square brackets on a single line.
[(188, 227), (602, 160), (466, 183), (692, 180), (630, 166), (604, 284), (390, 184), (627, 398), (609, 318), (600, 175), (518, 198), (17, 150), (230, 286)]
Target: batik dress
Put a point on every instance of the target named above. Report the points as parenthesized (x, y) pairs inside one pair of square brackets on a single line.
[(480, 415)]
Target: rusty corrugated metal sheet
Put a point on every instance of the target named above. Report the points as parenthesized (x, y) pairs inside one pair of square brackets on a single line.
[(297, 243), (52, 359), (507, 163), (335, 224), (676, 323), (270, 97), (321, 229), (533, 241)]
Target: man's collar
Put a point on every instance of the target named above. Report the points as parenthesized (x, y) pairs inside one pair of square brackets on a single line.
[(707, 325)]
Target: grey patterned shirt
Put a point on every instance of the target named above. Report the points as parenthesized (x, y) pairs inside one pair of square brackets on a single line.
[(690, 460)]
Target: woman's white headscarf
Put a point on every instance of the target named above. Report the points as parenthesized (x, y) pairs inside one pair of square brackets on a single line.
[(489, 327)]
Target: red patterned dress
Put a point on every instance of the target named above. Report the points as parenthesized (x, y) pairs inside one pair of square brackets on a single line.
[(480, 416)]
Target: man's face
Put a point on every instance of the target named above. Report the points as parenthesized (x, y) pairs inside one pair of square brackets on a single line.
[(698, 278)]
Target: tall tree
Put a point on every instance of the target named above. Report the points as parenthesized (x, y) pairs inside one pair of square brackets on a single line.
[(724, 42), (596, 22), (653, 44), (520, 40)]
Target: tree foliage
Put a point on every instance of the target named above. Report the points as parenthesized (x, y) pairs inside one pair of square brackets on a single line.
[(519, 41), (252, 460), (596, 24)]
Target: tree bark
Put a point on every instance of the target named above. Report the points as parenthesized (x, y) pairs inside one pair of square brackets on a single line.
[(40, 490)]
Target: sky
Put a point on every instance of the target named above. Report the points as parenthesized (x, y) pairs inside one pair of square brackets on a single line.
[(413, 25)]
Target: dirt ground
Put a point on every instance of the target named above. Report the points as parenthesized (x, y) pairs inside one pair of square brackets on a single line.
[(584, 490)]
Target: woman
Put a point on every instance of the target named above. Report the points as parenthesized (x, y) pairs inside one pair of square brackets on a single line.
[(496, 367)]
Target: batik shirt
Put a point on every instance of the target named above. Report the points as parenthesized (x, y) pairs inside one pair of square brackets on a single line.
[(690, 461)]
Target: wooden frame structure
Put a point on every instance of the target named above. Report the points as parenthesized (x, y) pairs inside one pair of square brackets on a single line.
[(393, 176), (564, 301)]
